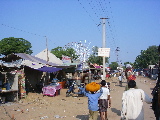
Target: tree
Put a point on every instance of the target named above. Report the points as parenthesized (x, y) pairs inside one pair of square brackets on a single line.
[(113, 65), (94, 58), (147, 57), (15, 45), (59, 51)]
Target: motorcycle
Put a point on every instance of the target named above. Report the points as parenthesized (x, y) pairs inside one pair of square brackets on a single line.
[(71, 88)]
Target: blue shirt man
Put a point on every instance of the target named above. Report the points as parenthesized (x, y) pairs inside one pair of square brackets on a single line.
[(93, 98)]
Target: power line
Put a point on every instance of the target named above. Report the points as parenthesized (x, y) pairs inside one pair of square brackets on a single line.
[(35, 34), (89, 15), (22, 30), (101, 8)]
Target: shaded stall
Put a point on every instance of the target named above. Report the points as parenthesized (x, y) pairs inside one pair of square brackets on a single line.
[(35, 70)]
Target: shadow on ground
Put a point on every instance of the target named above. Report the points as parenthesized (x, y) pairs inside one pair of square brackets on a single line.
[(120, 86), (114, 82), (151, 88), (85, 117), (118, 112)]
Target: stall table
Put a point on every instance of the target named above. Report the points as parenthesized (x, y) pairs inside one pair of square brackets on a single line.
[(10, 95), (51, 90)]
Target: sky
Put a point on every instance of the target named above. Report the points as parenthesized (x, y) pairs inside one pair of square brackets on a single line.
[(132, 25)]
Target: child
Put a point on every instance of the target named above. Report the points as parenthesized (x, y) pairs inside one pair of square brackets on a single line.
[(104, 101)]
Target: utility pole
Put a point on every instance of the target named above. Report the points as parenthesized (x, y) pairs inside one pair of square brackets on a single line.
[(47, 48), (104, 44), (117, 51)]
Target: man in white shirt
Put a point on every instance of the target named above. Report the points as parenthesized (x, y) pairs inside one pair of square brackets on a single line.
[(132, 102), (120, 80)]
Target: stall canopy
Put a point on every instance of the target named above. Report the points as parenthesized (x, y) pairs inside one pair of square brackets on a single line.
[(95, 66), (17, 56), (35, 62), (30, 61)]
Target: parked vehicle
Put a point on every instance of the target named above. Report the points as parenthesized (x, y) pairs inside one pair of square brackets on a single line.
[(96, 77), (71, 88)]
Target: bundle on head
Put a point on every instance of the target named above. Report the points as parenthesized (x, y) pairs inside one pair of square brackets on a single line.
[(132, 77), (92, 87)]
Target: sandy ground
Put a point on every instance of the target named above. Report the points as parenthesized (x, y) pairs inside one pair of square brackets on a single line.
[(37, 107)]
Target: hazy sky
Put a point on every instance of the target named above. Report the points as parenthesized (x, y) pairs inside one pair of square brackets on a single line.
[(133, 25)]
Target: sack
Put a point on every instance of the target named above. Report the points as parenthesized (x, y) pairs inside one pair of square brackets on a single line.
[(132, 77), (92, 87)]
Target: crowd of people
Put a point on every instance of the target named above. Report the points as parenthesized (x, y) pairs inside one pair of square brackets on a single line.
[(99, 101), (132, 99)]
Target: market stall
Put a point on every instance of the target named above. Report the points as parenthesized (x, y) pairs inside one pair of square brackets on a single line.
[(8, 87)]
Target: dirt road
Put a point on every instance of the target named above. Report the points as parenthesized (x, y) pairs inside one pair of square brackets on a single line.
[(37, 107), (143, 83)]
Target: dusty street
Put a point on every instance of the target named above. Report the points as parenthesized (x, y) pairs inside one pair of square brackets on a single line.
[(37, 107)]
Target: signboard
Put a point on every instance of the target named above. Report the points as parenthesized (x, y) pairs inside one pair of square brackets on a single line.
[(66, 59), (104, 52)]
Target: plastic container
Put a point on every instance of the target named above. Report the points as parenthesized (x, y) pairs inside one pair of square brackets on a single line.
[(62, 84), (3, 88)]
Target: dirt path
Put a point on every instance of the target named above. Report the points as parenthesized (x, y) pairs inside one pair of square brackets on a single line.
[(37, 107), (143, 83)]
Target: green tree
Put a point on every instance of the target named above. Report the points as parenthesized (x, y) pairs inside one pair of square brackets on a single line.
[(59, 51), (15, 45), (147, 57), (113, 65), (94, 58)]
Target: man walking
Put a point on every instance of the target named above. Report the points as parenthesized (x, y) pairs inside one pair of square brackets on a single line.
[(90, 91), (132, 102), (120, 79)]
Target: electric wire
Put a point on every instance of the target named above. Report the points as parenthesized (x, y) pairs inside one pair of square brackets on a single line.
[(31, 33)]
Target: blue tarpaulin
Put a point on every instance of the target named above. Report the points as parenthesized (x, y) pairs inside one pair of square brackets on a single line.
[(49, 69)]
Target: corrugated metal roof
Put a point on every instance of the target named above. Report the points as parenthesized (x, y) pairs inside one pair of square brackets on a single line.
[(17, 56)]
